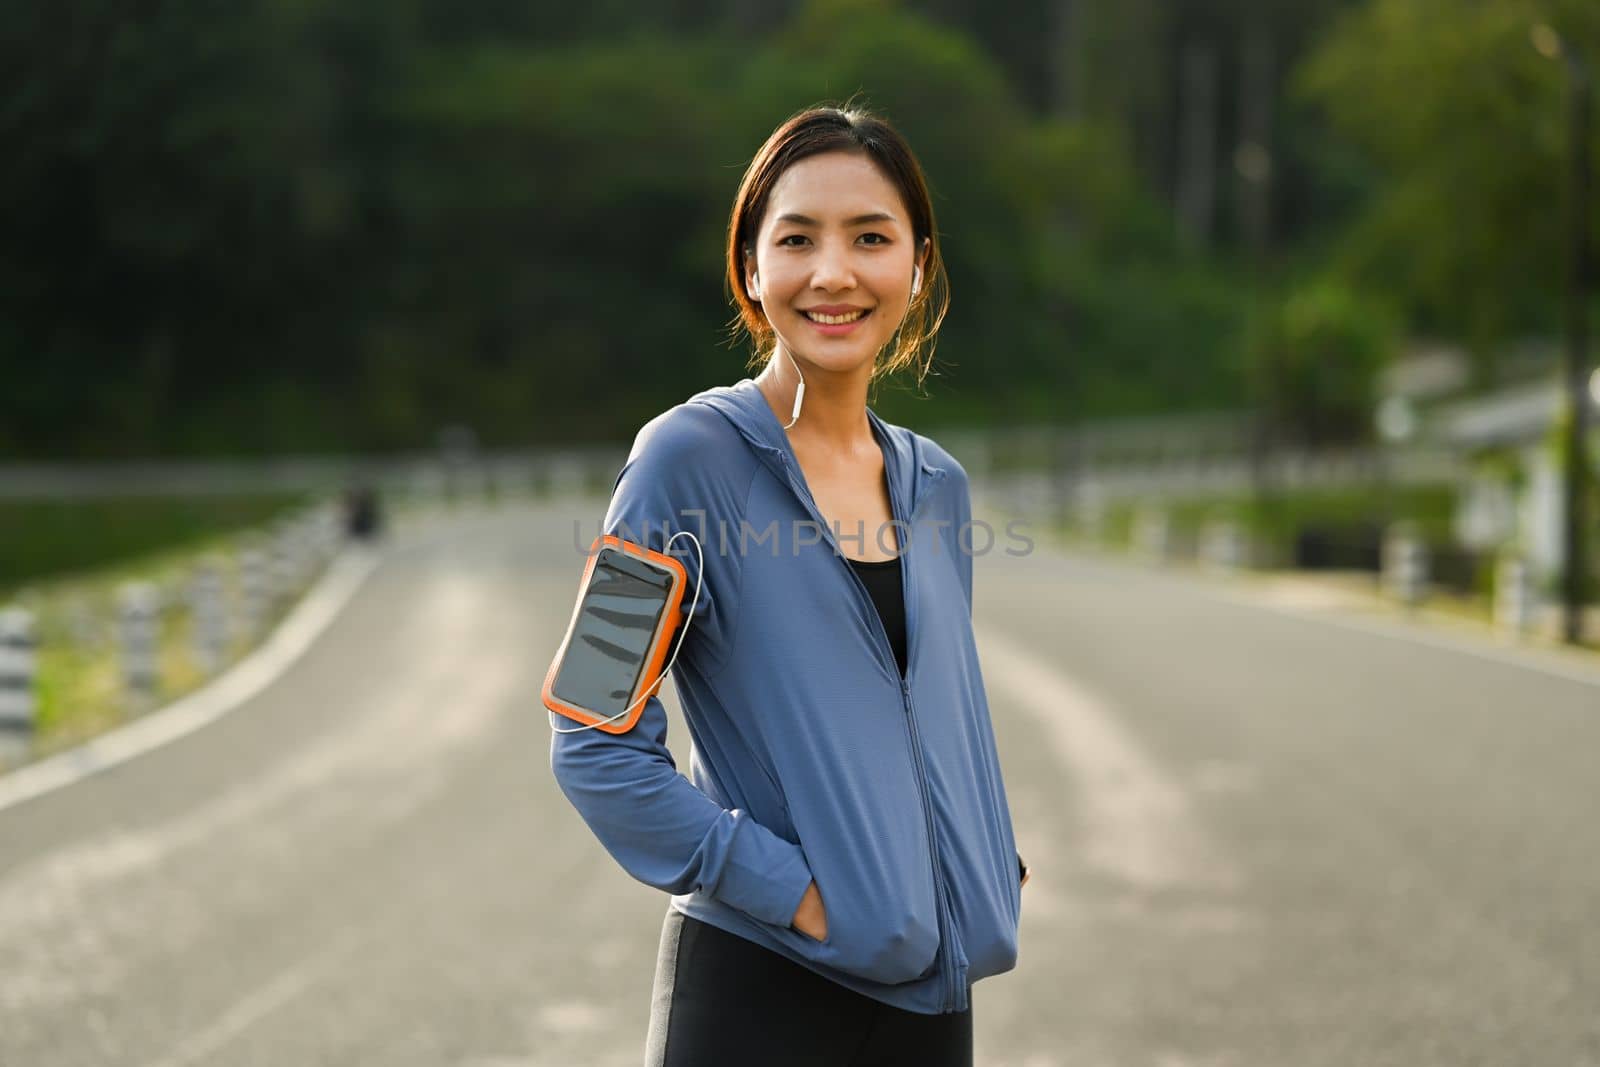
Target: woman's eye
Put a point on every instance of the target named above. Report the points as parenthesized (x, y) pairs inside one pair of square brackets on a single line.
[(783, 242)]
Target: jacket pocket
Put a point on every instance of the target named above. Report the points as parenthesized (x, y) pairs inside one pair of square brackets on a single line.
[(986, 899), (875, 876), (889, 946)]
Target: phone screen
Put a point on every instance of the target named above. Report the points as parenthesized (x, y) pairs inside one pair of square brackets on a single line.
[(613, 633)]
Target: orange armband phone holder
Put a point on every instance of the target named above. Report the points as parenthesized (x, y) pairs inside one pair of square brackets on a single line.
[(614, 656)]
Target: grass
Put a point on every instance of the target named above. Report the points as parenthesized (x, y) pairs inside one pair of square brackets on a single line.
[(42, 539)]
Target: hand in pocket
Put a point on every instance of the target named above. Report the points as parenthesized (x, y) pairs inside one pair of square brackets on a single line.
[(810, 918)]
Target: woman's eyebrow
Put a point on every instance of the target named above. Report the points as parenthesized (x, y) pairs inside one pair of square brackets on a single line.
[(859, 220)]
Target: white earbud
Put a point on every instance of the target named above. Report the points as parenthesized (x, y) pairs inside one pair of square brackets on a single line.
[(916, 280), (755, 287)]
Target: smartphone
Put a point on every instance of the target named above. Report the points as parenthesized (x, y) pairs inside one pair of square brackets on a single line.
[(626, 614)]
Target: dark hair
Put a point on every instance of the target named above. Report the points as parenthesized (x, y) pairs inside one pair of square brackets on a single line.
[(849, 128)]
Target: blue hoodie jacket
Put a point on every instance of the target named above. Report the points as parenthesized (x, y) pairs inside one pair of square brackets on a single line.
[(811, 757)]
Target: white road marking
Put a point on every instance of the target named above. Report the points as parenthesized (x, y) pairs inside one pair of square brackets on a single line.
[(72, 919), (1138, 820)]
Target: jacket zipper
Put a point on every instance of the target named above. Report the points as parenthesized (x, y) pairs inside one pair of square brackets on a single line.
[(946, 953), (946, 950)]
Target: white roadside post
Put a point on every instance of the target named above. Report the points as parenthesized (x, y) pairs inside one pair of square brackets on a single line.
[(329, 532), (282, 567), (301, 563), (18, 671), (141, 623), (1222, 545), (1152, 535), (1405, 564), (255, 591), (1516, 600), (209, 613)]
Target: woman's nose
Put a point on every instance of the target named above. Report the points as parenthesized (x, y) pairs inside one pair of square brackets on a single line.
[(833, 270)]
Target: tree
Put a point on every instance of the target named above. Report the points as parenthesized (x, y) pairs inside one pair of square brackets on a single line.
[(1464, 122)]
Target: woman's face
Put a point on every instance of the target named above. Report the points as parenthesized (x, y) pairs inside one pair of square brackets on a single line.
[(836, 240)]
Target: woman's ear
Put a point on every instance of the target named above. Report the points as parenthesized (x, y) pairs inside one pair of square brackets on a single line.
[(919, 266), (752, 283)]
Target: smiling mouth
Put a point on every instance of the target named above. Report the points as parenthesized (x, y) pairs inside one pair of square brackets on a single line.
[(836, 320)]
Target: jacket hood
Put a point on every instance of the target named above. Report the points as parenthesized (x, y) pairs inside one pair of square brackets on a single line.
[(913, 469)]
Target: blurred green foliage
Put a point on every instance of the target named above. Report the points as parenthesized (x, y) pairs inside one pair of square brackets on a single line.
[(1467, 124), (300, 225), (40, 539), (1313, 362)]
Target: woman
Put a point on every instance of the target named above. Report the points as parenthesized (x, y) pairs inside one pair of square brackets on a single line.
[(841, 856)]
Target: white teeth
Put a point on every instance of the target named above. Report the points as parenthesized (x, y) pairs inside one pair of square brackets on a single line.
[(834, 320)]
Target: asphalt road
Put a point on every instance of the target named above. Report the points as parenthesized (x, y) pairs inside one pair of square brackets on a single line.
[(1264, 831)]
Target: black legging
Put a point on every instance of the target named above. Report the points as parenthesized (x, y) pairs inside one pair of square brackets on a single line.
[(720, 1000)]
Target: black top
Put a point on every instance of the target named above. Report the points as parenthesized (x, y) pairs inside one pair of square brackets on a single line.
[(883, 582)]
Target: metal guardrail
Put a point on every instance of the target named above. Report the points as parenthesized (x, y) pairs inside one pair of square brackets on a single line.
[(534, 471)]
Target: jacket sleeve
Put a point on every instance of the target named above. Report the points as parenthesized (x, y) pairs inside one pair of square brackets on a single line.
[(658, 825)]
